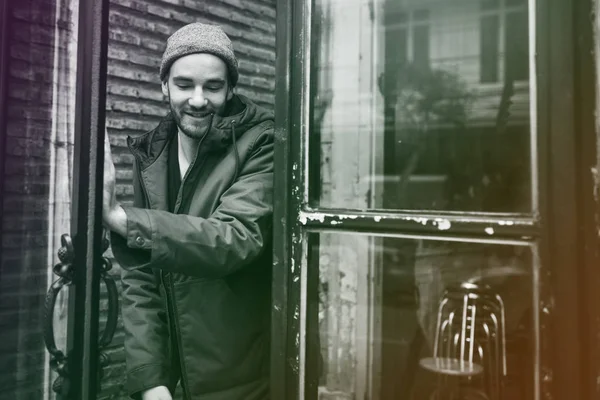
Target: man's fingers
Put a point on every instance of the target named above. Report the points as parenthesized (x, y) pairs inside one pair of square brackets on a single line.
[(106, 144), (108, 161)]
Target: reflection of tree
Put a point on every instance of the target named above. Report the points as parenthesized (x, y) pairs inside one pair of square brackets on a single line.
[(425, 95), (427, 122), (422, 97)]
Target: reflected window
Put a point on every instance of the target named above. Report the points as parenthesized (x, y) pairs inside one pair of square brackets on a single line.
[(506, 52), (407, 36), (421, 106)]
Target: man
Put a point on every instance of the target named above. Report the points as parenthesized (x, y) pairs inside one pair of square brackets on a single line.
[(195, 248)]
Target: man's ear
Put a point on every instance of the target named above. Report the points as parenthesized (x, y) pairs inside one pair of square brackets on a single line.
[(229, 93), (165, 87)]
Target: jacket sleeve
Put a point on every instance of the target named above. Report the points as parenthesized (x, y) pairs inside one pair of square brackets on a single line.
[(213, 247), (145, 324), (146, 333)]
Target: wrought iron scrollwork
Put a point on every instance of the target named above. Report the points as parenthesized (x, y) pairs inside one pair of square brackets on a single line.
[(64, 270), (112, 312)]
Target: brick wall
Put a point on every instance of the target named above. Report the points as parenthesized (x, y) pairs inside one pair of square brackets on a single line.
[(138, 30), (25, 199)]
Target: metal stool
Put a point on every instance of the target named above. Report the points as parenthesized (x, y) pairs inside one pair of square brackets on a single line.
[(470, 339)]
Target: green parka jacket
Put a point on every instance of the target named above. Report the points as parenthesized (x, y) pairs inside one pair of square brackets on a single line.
[(196, 281)]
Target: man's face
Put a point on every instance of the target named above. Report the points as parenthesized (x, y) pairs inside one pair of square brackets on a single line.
[(197, 87)]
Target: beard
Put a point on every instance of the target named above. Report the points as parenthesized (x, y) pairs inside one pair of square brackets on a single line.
[(193, 127)]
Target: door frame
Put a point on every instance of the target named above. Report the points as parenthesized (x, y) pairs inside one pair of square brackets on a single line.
[(570, 209), (565, 226), (83, 354), (586, 95)]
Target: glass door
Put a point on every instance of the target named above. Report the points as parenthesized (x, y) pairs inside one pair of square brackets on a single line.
[(52, 126), (427, 206)]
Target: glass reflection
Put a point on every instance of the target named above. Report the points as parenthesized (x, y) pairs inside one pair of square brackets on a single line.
[(420, 105), (41, 68), (392, 318)]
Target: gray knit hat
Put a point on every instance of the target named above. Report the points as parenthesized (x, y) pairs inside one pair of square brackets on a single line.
[(200, 38)]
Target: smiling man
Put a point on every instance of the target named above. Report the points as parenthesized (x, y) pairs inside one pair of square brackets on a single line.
[(195, 247)]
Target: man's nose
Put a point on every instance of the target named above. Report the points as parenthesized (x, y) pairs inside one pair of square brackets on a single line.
[(198, 100)]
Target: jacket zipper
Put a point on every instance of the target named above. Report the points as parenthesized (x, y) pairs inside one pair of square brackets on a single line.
[(172, 307), (170, 286), (164, 276), (170, 304)]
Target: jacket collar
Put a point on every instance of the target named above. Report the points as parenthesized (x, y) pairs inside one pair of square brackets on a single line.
[(246, 114)]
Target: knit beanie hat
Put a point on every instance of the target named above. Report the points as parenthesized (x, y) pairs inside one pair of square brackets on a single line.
[(200, 38)]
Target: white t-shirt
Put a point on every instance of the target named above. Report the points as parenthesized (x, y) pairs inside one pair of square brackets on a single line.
[(184, 163)]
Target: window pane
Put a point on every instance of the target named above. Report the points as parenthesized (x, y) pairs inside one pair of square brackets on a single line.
[(392, 318), (517, 54), (421, 15), (488, 48), (490, 4), (421, 45), (420, 106)]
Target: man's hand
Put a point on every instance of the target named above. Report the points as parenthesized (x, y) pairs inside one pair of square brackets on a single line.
[(157, 393), (113, 215)]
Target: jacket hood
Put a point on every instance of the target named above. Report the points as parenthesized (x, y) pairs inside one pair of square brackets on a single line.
[(220, 135)]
